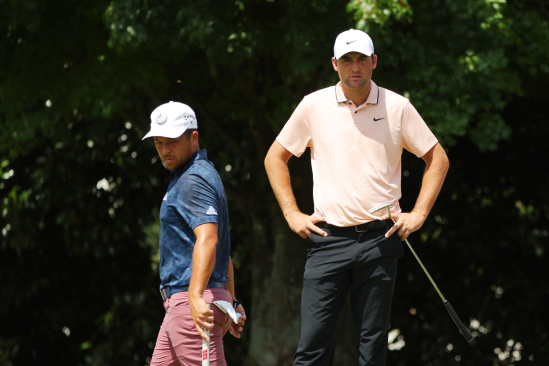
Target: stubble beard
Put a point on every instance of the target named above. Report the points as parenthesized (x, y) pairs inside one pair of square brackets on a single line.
[(355, 84)]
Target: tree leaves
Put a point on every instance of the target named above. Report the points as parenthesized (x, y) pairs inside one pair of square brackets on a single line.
[(80, 190)]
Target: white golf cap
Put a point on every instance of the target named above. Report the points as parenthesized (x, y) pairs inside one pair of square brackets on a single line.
[(353, 40), (171, 120)]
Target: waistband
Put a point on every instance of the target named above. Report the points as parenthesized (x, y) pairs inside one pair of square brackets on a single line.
[(362, 228), (168, 291)]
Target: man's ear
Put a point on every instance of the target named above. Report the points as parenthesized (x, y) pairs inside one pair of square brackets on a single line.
[(334, 63), (374, 61), (194, 137)]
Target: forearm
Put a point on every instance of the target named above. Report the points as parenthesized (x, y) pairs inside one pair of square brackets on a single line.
[(203, 265), (230, 274), (236, 328), (279, 177), (433, 178)]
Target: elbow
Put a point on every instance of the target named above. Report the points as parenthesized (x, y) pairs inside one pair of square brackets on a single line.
[(446, 164), (267, 165), (268, 162), (206, 248), (208, 242), (441, 159)]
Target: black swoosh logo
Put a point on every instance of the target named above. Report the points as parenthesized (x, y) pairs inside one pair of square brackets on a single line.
[(351, 41), (377, 119)]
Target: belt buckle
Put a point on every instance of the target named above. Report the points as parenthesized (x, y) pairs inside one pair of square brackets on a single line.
[(163, 294), (360, 231)]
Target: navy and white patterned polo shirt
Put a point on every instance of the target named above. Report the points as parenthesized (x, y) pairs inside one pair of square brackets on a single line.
[(195, 196)]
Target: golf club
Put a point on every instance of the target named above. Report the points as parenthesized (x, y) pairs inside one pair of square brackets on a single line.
[(468, 336), (206, 348)]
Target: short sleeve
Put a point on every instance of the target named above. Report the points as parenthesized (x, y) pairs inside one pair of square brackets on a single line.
[(197, 201), (296, 134), (417, 138)]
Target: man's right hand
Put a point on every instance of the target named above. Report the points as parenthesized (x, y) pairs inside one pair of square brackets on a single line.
[(201, 315), (304, 225)]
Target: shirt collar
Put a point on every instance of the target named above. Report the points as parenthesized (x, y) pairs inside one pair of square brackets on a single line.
[(373, 97), (198, 155)]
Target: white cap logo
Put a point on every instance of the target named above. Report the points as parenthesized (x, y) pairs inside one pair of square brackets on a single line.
[(161, 118), (189, 118)]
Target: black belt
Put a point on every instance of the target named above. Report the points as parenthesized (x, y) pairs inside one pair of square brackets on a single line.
[(168, 291), (369, 226)]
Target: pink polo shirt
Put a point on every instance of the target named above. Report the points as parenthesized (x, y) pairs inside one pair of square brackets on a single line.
[(355, 150)]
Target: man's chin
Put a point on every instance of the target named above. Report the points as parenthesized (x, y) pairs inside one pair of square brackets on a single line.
[(358, 84), (169, 165)]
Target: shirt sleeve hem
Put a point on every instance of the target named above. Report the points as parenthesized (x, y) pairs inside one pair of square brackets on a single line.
[(286, 146), (430, 146), (211, 220)]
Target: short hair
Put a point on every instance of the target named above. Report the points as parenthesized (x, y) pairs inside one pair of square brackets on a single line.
[(188, 132)]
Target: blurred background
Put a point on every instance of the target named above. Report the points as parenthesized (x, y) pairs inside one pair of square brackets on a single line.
[(80, 192)]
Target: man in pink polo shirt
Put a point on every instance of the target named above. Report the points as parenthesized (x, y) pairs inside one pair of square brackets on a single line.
[(356, 131)]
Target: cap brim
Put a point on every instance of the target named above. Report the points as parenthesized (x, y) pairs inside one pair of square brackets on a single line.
[(170, 133), (366, 52)]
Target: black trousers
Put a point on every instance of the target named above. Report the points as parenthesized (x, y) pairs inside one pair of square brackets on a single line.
[(365, 263)]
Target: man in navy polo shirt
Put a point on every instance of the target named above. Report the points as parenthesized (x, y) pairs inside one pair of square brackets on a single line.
[(195, 264)]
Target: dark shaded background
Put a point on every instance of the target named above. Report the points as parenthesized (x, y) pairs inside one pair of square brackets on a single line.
[(80, 191)]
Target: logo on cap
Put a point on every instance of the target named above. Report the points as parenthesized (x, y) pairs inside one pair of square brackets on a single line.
[(161, 118), (189, 118)]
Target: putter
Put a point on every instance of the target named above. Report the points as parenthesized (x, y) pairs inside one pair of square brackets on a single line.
[(468, 336), (206, 348)]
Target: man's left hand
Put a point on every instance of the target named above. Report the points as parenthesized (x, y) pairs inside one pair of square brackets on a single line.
[(236, 328), (405, 223)]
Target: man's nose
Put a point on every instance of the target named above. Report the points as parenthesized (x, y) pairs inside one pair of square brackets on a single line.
[(355, 65), (164, 149)]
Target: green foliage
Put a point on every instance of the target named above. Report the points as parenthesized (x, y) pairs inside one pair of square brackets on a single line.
[(80, 191), (460, 60)]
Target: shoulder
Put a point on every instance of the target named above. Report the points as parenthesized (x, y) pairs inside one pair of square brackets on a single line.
[(202, 170), (201, 165), (321, 95), (392, 97)]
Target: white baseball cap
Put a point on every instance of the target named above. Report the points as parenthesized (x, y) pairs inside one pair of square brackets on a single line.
[(171, 120), (353, 40)]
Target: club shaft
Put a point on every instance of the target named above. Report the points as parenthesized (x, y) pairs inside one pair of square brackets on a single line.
[(420, 263), (426, 272), (206, 350), (205, 355), (463, 329)]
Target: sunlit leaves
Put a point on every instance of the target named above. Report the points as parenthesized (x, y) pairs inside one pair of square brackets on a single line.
[(379, 13)]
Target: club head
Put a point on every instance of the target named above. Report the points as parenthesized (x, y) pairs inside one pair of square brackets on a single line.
[(387, 205), (227, 308)]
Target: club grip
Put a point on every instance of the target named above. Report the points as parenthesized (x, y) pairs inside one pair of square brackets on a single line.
[(468, 336)]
